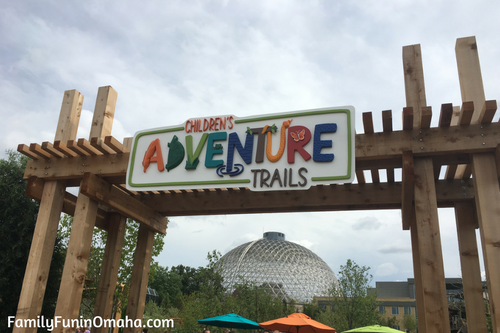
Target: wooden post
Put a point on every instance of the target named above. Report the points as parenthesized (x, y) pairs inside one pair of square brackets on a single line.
[(140, 276), (429, 240), (44, 236), (471, 272), (75, 266), (471, 87), (488, 209), (433, 288), (417, 275), (109, 271)]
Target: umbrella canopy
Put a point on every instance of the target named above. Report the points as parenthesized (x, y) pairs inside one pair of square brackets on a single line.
[(373, 329), (230, 320), (297, 323)]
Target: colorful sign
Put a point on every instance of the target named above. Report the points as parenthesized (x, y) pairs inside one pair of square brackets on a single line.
[(283, 151)]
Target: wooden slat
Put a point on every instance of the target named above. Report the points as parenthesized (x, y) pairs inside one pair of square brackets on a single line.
[(387, 121), (368, 122), (488, 112), (49, 148), (37, 149), (426, 117), (25, 150), (73, 145), (115, 145), (360, 176), (387, 128), (99, 144), (368, 127), (98, 189), (87, 147), (445, 115), (466, 113), (61, 146), (450, 171), (407, 195), (407, 118)]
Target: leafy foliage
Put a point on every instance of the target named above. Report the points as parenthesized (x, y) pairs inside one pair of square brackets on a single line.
[(351, 304), (95, 262), (18, 215), (410, 323)]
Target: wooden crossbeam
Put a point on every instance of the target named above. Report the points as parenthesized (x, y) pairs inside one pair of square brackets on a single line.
[(34, 190), (377, 147), (37, 150), (101, 191), (49, 148), (333, 198)]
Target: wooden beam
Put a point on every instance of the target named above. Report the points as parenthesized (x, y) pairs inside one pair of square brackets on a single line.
[(436, 142), (484, 171), (487, 204), (429, 247), (79, 246), (407, 195), (99, 190), (34, 190), (317, 198), (387, 128), (109, 270), (471, 272), (417, 274), (44, 236), (140, 276), (431, 278), (77, 256), (414, 81), (469, 74), (104, 112)]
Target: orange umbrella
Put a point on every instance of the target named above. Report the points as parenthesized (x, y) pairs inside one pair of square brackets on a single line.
[(297, 323)]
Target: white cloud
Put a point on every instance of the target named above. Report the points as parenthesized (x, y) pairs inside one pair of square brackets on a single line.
[(386, 269)]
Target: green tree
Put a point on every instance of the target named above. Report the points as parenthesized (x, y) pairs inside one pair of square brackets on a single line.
[(95, 262), (351, 304), (410, 323), (18, 215)]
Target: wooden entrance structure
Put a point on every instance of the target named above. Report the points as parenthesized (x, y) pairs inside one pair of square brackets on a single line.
[(466, 143)]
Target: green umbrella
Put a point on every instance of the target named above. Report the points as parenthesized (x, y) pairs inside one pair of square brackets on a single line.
[(373, 329)]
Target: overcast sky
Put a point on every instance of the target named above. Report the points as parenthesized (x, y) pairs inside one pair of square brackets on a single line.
[(173, 60)]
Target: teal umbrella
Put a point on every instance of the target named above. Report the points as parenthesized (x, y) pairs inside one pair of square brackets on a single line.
[(373, 329), (231, 320)]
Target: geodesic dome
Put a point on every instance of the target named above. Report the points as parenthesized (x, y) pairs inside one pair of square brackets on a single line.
[(289, 270)]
